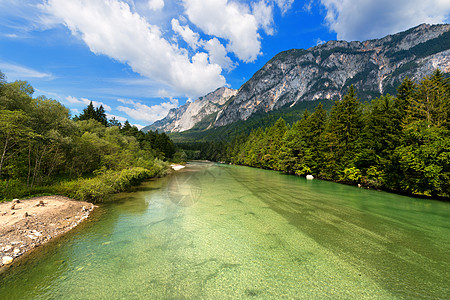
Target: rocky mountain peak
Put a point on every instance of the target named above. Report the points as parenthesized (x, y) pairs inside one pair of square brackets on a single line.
[(322, 72), (188, 115), (326, 71)]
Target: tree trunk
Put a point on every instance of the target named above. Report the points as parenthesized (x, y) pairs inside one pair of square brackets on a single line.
[(3, 155)]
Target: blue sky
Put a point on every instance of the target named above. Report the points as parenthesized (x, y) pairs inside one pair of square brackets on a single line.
[(140, 58)]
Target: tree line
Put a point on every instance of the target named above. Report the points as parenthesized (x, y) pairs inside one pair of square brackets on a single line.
[(399, 143), (41, 145)]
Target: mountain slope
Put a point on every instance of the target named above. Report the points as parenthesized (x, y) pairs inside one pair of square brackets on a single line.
[(323, 72), (326, 71), (188, 115)]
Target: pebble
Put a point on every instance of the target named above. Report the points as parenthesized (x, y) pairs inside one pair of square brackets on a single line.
[(7, 260), (16, 250), (6, 248)]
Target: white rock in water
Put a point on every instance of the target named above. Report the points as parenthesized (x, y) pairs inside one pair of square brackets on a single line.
[(177, 167), (309, 177), (7, 260)]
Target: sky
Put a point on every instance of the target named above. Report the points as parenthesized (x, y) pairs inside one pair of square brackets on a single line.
[(140, 58)]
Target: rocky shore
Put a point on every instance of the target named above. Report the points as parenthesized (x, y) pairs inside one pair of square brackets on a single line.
[(26, 224)]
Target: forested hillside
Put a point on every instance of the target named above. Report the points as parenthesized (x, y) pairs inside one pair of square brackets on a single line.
[(43, 150), (397, 143)]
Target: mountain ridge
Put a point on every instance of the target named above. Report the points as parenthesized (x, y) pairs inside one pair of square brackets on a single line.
[(191, 113), (322, 72)]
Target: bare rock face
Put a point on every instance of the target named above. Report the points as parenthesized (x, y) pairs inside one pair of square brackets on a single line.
[(190, 114), (326, 71)]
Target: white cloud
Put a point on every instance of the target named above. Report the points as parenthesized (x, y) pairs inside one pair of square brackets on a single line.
[(190, 37), (218, 54), (284, 5), (319, 41), (361, 20), (147, 113), (163, 93), (110, 28), (15, 72), (264, 15), (85, 101), (156, 4), (11, 35), (228, 20), (126, 101), (118, 118)]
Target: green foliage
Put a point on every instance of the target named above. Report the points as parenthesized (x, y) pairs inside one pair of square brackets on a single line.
[(90, 113), (107, 182), (40, 145), (350, 175), (397, 143)]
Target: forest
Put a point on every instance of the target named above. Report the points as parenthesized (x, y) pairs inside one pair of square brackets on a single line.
[(87, 157), (399, 143)]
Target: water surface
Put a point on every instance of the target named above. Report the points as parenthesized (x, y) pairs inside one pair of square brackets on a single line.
[(229, 232)]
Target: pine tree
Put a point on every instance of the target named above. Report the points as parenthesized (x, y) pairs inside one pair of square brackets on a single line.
[(343, 130), (100, 115), (88, 113)]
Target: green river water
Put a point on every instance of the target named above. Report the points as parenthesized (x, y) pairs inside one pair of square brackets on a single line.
[(227, 232)]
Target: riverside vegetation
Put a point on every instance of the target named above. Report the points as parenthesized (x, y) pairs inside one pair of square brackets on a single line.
[(399, 143), (44, 151)]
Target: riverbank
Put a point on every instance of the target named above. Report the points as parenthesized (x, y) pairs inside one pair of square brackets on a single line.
[(27, 224)]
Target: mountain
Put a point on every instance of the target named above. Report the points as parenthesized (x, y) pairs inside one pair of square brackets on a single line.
[(326, 71), (190, 114), (323, 72)]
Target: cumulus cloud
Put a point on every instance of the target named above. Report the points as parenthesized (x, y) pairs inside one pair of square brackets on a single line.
[(218, 54), (361, 20), (228, 20), (263, 13), (190, 37), (149, 114), (156, 4), (86, 101), (110, 28)]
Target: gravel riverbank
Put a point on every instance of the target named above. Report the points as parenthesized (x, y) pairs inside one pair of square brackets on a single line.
[(27, 224)]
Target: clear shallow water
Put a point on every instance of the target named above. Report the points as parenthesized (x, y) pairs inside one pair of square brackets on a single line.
[(228, 232)]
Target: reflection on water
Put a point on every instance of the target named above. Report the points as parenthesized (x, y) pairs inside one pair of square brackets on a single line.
[(218, 231)]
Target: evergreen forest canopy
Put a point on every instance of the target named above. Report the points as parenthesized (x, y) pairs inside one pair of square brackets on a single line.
[(397, 143), (43, 150)]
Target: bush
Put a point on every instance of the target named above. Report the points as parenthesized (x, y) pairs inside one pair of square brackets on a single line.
[(98, 188)]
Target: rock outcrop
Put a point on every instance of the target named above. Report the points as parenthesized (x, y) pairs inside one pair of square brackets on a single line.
[(326, 71), (190, 114)]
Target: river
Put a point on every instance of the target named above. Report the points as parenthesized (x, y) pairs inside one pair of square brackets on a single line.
[(214, 231)]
